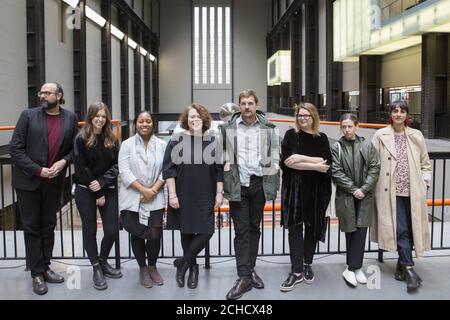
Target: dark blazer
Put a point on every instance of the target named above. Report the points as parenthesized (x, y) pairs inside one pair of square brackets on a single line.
[(29, 146)]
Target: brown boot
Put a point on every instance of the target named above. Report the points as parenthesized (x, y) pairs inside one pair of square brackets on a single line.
[(144, 278), (155, 275)]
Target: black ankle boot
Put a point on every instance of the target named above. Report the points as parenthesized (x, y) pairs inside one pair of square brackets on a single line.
[(108, 270), (182, 267), (399, 275), (412, 280), (193, 276), (98, 277)]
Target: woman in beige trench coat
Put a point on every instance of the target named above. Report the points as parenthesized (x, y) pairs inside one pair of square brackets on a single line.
[(401, 218)]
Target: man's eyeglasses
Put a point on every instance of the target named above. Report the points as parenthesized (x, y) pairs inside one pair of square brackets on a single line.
[(303, 116), (45, 93)]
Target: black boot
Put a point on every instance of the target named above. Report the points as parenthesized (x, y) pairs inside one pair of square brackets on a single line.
[(182, 267), (108, 270), (193, 276), (412, 280), (399, 275), (98, 277)]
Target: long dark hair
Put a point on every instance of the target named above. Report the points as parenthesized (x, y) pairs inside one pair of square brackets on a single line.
[(87, 132)]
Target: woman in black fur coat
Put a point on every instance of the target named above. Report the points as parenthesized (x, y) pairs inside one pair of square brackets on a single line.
[(305, 191)]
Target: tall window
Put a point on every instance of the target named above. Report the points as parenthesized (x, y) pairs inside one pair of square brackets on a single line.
[(212, 44)]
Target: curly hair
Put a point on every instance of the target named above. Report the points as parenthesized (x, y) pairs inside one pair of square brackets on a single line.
[(202, 111)]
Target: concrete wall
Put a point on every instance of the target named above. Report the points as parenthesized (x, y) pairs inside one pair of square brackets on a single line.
[(402, 68), (322, 47), (303, 52), (143, 83), (115, 78), (13, 74), (249, 54), (131, 83), (59, 55), (95, 5), (249, 47), (350, 76), (155, 16), (94, 62), (175, 56), (13, 64), (138, 8), (147, 12)]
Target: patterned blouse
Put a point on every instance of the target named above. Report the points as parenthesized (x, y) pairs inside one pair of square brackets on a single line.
[(402, 166)]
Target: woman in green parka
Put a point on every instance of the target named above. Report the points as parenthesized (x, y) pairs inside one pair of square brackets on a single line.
[(355, 171)]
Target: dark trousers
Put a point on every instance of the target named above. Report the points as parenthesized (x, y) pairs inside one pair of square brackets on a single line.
[(144, 239), (247, 215), (38, 214), (355, 248), (192, 245), (86, 204), (404, 231), (301, 249)]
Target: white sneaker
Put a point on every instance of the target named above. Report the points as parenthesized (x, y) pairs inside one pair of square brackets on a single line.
[(360, 277), (349, 277)]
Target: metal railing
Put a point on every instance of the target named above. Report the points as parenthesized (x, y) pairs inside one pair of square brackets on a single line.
[(68, 240), (69, 245)]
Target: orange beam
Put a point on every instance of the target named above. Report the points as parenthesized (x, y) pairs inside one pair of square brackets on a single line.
[(335, 123), (438, 202), (268, 207), (6, 128), (115, 123)]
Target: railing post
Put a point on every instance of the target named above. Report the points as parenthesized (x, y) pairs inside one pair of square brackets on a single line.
[(117, 249), (207, 257), (380, 255)]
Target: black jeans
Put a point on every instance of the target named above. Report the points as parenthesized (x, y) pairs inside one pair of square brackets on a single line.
[(355, 248), (301, 249), (86, 204), (144, 239), (38, 214), (247, 215), (404, 231)]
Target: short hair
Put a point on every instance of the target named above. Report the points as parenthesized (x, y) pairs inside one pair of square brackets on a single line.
[(202, 111), (59, 90), (314, 115), (349, 116), (248, 93), (151, 117), (401, 104)]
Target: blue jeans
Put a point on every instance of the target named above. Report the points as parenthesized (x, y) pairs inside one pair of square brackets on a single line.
[(404, 231)]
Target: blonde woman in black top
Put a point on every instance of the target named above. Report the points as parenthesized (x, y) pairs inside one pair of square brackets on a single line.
[(305, 191)]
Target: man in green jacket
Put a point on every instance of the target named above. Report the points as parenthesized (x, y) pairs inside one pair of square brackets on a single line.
[(251, 177)]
